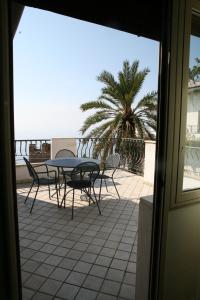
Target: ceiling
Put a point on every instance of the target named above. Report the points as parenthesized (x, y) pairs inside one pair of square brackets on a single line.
[(143, 18)]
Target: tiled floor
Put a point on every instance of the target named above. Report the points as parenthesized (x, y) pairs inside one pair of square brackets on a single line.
[(90, 257)]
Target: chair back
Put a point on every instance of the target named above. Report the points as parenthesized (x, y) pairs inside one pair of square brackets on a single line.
[(85, 171), (113, 161), (64, 153), (31, 170)]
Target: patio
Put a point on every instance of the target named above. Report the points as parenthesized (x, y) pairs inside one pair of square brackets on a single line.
[(91, 257)]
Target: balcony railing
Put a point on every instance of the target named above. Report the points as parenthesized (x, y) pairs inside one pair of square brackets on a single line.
[(192, 161), (35, 150), (131, 151)]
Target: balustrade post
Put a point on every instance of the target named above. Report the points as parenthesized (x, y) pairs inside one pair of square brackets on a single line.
[(149, 161)]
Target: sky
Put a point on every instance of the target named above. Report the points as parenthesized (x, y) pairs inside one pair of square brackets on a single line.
[(56, 63), (194, 50)]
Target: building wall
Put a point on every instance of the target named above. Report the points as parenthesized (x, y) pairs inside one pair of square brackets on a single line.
[(193, 111), (62, 143), (182, 265), (144, 247), (149, 161), (194, 100)]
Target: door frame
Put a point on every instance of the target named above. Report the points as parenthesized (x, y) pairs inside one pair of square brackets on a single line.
[(184, 197), (10, 275), (168, 194), (164, 156)]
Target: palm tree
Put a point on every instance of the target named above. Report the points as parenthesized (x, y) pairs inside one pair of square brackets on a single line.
[(117, 115), (194, 72)]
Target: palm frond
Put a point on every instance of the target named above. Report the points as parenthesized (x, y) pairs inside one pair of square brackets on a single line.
[(97, 132), (149, 101), (137, 82), (140, 127), (116, 95), (134, 68), (112, 87), (91, 120), (95, 105), (108, 79), (109, 99), (149, 134), (125, 77), (106, 133), (104, 144), (152, 125)]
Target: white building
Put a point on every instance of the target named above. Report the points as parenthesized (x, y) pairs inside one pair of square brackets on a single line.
[(193, 110)]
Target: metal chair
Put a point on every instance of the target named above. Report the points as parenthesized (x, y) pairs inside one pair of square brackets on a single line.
[(64, 153), (111, 163), (83, 178), (40, 178), (61, 171)]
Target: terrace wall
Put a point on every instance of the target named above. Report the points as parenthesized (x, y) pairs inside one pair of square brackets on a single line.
[(71, 144), (57, 144), (149, 161)]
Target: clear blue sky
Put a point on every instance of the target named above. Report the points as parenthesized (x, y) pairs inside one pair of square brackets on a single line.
[(56, 62), (194, 50)]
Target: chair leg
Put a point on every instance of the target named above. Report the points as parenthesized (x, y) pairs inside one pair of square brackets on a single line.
[(89, 196), (57, 194), (95, 197), (100, 190), (73, 205), (49, 191), (59, 180), (65, 185), (65, 194), (89, 191), (106, 185), (29, 192), (34, 199), (116, 188), (63, 199), (59, 184)]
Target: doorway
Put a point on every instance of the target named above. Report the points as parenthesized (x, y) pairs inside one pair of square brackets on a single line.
[(59, 257)]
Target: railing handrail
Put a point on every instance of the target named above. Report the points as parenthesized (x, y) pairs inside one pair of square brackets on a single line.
[(22, 147), (76, 138), (131, 150), (32, 140), (192, 147)]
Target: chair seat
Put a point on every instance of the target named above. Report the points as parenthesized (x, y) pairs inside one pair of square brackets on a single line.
[(111, 164), (41, 178), (46, 181), (79, 184), (81, 180)]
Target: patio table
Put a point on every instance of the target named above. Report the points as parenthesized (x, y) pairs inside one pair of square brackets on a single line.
[(69, 162)]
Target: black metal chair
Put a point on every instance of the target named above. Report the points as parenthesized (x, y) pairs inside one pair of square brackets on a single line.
[(111, 164), (83, 178), (41, 178), (64, 153), (61, 171)]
